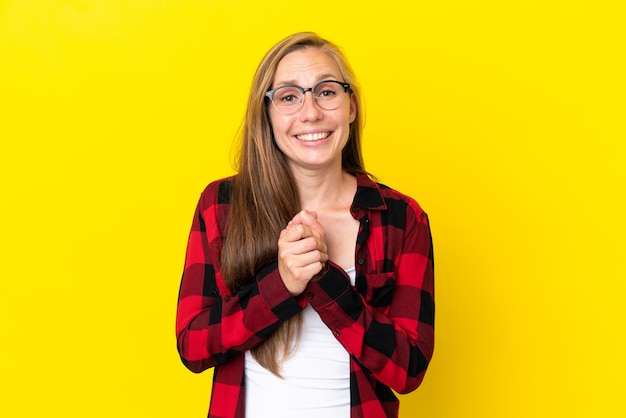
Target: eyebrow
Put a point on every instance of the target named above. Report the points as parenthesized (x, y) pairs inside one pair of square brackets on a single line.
[(321, 77)]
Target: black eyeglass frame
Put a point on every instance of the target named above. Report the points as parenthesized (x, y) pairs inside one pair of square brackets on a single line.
[(270, 93)]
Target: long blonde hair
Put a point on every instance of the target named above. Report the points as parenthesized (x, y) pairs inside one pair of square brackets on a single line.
[(264, 194)]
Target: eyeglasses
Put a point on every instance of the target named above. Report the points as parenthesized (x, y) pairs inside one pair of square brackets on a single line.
[(289, 98)]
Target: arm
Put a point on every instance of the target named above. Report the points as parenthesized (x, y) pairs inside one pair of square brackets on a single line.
[(213, 325), (393, 341)]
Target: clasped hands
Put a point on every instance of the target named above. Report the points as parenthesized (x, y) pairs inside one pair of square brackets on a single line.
[(302, 251)]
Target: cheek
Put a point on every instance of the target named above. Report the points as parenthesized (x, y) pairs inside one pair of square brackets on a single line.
[(278, 124)]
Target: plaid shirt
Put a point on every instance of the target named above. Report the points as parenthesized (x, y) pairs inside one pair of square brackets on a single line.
[(385, 322)]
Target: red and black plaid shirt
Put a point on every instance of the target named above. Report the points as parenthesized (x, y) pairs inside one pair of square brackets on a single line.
[(385, 322)]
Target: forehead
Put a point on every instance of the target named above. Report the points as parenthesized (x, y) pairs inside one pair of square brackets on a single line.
[(306, 66)]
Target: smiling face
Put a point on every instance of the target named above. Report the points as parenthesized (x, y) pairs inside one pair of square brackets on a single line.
[(312, 138)]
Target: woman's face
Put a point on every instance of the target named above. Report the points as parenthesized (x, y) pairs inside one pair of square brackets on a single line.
[(312, 138)]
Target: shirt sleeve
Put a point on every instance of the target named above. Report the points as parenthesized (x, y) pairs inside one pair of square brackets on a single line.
[(213, 325), (389, 333)]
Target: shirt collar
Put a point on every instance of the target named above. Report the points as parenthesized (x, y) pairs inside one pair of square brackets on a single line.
[(368, 194)]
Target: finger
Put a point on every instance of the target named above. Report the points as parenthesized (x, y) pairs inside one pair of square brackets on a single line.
[(297, 232), (309, 218), (303, 246), (307, 213), (303, 217), (295, 262)]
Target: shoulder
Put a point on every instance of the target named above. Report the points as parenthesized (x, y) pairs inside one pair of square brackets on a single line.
[(217, 192), (214, 206), (382, 197), (391, 196)]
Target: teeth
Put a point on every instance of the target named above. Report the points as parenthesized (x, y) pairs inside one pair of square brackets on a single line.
[(313, 137)]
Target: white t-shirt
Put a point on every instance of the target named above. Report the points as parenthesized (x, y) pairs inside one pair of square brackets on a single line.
[(316, 377)]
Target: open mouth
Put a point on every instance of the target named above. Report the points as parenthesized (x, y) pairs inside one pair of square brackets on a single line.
[(317, 136)]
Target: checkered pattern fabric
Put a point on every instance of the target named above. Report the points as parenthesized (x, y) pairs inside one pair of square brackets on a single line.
[(385, 322)]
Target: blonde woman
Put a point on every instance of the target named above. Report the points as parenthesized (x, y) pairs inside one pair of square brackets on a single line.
[(307, 285)]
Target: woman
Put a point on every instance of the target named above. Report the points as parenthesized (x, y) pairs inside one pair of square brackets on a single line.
[(308, 286)]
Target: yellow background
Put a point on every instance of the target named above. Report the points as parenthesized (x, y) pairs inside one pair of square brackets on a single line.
[(504, 119)]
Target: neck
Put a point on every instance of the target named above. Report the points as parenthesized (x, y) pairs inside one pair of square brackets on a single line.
[(323, 190)]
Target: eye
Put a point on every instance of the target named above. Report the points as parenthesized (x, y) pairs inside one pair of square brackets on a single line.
[(288, 99), (287, 95), (327, 90)]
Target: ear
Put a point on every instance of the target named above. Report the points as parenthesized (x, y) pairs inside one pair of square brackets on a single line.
[(352, 107)]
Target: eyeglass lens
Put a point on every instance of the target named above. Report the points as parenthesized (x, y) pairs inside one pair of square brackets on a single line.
[(328, 95)]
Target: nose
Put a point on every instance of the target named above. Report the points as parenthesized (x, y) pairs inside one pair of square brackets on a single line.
[(310, 109)]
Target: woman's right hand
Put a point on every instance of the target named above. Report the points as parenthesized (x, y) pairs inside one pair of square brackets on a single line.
[(302, 251)]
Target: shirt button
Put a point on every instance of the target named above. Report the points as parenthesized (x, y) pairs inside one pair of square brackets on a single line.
[(310, 295), (355, 209), (360, 261), (336, 333)]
